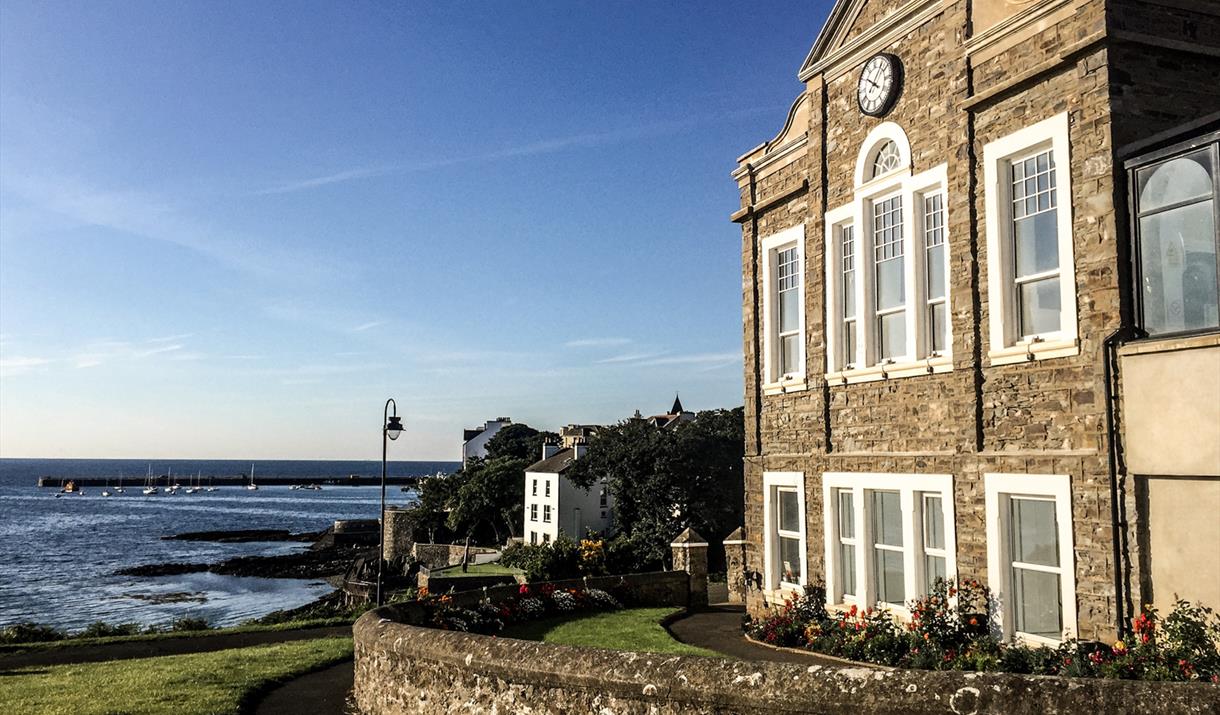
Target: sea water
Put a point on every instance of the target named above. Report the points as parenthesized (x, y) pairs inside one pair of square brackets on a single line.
[(58, 556)]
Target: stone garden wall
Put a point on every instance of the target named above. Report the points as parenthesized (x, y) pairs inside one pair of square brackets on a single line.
[(407, 669)]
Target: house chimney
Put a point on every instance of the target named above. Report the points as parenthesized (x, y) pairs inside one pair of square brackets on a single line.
[(549, 449), (579, 447)]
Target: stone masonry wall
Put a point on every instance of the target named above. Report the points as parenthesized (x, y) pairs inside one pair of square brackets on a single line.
[(1045, 417), (402, 669)]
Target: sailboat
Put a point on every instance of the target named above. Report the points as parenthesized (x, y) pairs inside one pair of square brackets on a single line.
[(210, 487), (149, 487), (106, 490), (252, 486), (191, 488), (119, 488)]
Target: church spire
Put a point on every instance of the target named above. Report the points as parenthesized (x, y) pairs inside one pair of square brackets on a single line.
[(677, 408)]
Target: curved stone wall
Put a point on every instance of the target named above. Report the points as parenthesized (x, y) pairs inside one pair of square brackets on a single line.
[(407, 669)]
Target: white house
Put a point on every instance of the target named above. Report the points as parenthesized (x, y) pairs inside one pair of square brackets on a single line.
[(555, 505), (474, 441)]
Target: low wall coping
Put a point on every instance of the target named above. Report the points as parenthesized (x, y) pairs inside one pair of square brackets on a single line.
[(644, 682)]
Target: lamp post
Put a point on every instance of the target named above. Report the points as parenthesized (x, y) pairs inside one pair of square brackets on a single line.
[(391, 427)]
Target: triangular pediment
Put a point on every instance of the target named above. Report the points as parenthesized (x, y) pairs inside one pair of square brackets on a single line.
[(851, 20)]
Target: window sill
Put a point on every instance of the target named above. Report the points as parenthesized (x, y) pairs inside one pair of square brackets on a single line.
[(1028, 352), (792, 384), (927, 366), (1170, 343), (785, 591)]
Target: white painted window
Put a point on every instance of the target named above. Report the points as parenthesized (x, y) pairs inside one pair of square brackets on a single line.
[(1030, 566), (533, 537), (534, 488), (847, 295), (602, 499), (533, 512), (1177, 237), (887, 268), (786, 562), (936, 271), (847, 543), (783, 314), (1031, 274), (888, 536), (546, 513), (548, 486), (546, 538)]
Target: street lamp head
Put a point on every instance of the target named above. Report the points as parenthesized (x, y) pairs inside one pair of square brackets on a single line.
[(393, 428)]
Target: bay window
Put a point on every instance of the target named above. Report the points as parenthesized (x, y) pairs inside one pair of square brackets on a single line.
[(887, 268), (888, 536), (1176, 211), (1031, 274)]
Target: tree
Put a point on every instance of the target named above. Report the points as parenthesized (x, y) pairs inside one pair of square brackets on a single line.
[(519, 441), (667, 479), (491, 492)]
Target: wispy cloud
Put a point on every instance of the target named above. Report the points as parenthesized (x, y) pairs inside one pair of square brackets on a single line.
[(534, 148), (695, 359), (368, 326), (629, 357), (597, 343), (317, 181), (20, 364)]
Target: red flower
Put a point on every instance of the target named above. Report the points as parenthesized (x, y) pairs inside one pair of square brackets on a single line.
[(524, 590)]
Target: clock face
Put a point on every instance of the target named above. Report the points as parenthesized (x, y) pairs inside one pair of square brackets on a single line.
[(880, 83)]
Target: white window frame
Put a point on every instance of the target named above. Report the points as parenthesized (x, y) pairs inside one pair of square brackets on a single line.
[(534, 488), (1005, 345), (998, 490), (772, 483), (533, 538), (917, 358), (770, 246), (533, 512), (547, 482), (546, 513), (921, 246), (910, 487)]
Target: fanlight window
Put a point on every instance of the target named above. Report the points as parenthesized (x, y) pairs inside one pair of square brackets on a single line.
[(888, 159)]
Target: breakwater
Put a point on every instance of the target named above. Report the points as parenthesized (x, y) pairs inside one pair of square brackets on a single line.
[(354, 480)]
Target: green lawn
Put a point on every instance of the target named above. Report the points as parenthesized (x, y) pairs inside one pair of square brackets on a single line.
[(632, 629), (489, 569), (73, 642), (216, 683)]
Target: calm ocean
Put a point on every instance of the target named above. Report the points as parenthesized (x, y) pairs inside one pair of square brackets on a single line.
[(58, 556)]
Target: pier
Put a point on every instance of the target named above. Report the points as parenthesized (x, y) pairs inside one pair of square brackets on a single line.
[(353, 480)]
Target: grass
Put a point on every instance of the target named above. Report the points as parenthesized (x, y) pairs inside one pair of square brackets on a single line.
[(217, 683), (637, 629), (166, 635), (488, 569)]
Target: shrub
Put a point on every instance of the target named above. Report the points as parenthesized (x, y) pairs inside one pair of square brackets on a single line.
[(190, 624), (30, 633), (100, 629), (557, 560), (949, 630)]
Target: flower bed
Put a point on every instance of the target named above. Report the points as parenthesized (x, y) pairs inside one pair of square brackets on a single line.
[(530, 603), (950, 630)]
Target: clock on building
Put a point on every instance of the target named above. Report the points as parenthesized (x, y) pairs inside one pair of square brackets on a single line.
[(880, 84)]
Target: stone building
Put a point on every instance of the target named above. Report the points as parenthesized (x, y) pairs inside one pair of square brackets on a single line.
[(980, 311)]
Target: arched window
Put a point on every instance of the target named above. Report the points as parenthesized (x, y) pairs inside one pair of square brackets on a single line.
[(888, 159)]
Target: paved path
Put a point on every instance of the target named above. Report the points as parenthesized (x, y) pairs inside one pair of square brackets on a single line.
[(164, 646), (719, 628), (321, 693)]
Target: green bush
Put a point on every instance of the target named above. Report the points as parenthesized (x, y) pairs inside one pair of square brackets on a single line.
[(100, 629), (30, 633), (557, 560), (190, 624)]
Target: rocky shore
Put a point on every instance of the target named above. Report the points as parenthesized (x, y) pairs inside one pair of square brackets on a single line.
[(244, 535), (322, 559)]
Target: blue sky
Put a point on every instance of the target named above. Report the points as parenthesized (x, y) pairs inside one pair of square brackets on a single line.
[(233, 229)]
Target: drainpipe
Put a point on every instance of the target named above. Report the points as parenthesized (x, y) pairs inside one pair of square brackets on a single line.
[(1118, 509)]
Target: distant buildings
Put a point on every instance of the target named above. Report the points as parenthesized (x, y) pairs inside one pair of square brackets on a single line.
[(553, 504), (474, 441)]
